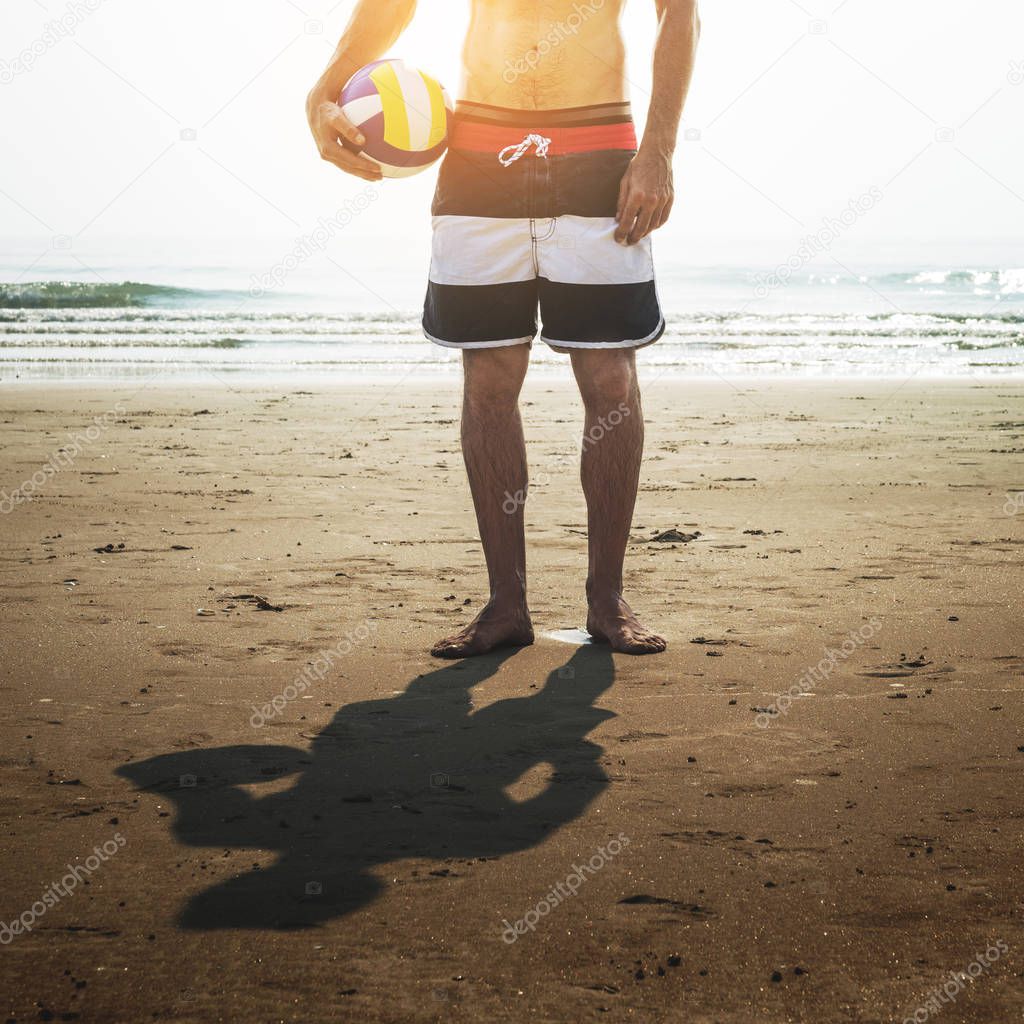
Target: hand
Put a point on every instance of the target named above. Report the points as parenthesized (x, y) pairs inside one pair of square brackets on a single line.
[(645, 198), (329, 126)]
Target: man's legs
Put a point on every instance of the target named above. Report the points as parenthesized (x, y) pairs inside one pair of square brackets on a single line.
[(613, 442), (495, 457)]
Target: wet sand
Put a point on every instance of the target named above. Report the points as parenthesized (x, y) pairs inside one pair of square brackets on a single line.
[(808, 809)]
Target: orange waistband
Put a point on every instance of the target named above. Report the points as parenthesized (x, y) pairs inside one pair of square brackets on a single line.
[(472, 137)]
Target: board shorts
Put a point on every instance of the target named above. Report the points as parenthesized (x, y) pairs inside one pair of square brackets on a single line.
[(524, 218)]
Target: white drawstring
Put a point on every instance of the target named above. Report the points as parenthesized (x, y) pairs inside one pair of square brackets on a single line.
[(521, 148)]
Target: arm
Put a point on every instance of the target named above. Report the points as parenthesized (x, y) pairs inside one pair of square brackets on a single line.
[(374, 27), (646, 194)]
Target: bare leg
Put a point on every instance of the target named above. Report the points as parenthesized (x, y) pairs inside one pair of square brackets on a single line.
[(495, 456), (613, 442)]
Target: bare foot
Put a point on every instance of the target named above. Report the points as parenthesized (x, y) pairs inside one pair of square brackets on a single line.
[(498, 625), (610, 620)]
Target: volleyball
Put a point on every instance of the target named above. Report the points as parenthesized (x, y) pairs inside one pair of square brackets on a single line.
[(403, 114)]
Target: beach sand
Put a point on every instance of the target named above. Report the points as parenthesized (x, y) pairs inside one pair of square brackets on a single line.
[(355, 854)]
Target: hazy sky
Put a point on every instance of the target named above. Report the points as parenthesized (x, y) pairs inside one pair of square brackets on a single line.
[(798, 106)]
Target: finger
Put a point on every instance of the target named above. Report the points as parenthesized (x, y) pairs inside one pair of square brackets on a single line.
[(333, 117), (666, 211), (657, 216), (623, 191), (352, 163), (643, 223), (630, 209)]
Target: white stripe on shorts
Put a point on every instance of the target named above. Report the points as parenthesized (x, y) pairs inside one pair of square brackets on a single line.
[(569, 250), (481, 250), (583, 250)]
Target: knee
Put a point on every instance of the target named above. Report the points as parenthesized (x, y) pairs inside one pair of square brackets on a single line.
[(494, 378), (483, 399), (609, 382)]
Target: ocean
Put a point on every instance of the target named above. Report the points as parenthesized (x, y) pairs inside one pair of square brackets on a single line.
[(732, 322)]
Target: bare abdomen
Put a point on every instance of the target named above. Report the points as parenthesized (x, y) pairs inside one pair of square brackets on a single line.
[(543, 54)]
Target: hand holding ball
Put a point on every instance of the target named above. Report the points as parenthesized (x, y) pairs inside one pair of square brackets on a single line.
[(403, 114)]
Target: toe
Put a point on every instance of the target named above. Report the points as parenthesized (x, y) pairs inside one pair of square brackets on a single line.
[(447, 652), (642, 642), (450, 647)]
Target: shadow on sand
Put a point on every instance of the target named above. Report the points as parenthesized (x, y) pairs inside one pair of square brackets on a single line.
[(416, 775)]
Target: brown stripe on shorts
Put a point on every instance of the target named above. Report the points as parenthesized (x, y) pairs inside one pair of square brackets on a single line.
[(538, 120)]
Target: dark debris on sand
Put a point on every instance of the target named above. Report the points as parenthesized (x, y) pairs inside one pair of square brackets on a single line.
[(674, 537)]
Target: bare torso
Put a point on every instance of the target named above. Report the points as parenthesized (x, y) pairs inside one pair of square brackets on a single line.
[(544, 54)]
